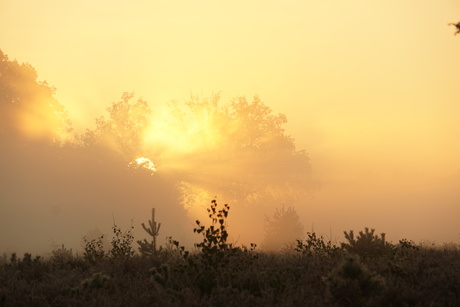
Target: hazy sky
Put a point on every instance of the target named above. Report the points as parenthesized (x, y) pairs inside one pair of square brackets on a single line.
[(370, 88)]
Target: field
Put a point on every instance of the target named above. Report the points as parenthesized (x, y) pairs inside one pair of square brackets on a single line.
[(365, 271)]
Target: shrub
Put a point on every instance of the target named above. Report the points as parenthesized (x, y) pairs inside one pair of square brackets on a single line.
[(214, 244), (366, 244), (94, 249), (173, 248), (315, 246), (122, 243), (352, 284), (61, 255)]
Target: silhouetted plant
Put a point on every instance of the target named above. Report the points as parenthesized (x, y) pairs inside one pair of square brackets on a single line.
[(316, 246), (122, 243), (408, 244), (150, 248), (214, 243), (366, 244), (456, 25), (251, 251), (352, 284), (405, 249), (173, 246), (94, 249), (61, 254)]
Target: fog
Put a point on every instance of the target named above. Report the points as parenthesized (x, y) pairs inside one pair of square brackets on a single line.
[(59, 185), (345, 114)]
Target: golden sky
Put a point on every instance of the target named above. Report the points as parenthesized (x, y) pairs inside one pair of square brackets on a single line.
[(370, 88)]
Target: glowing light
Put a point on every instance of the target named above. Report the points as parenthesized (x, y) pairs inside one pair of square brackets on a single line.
[(176, 131), (143, 163)]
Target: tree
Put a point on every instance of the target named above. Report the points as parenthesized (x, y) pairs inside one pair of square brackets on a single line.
[(242, 150), (284, 228), (27, 106), (123, 130)]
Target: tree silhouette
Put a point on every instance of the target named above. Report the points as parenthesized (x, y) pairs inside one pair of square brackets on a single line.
[(284, 228), (245, 153), (123, 129), (28, 106)]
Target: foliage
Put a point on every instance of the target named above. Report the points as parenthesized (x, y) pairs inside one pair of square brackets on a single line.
[(27, 106), (250, 135), (214, 244), (173, 247), (366, 244), (284, 228), (315, 246), (121, 246), (352, 284), (173, 277), (15, 260), (274, 279), (122, 243), (94, 249), (123, 129), (149, 248), (62, 254)]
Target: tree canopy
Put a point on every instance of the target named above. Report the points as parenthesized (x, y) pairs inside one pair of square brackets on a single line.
[(123, 130), (243, 152), (27, 106)]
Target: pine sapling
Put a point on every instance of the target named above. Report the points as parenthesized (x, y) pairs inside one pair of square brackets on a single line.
[(149, 248)]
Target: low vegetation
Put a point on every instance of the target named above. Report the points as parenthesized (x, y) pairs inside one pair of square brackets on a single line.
[(366, 270)]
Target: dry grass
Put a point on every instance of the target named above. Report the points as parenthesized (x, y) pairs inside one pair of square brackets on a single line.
[(414, 277)]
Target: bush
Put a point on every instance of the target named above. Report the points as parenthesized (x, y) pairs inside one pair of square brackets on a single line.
[(315, 246), (122, 243), (352, 284), (62, 254), (94, 249), (367, 244), (214, 244)]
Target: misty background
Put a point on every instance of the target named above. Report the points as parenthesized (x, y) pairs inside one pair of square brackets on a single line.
[(370, 136)]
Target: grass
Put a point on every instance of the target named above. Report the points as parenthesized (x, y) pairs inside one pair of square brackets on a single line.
[(425, 277), (365, 271)]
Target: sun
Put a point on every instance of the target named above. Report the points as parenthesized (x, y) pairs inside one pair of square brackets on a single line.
[(143, 163)]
